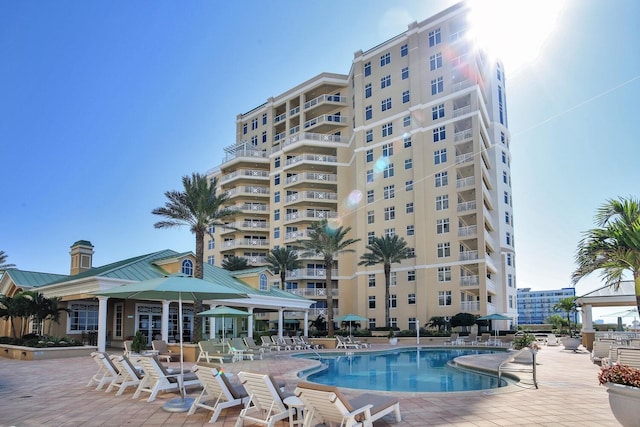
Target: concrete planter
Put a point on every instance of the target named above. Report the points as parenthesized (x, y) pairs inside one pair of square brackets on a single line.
[(624, 402), (30, 353), (571, 343)]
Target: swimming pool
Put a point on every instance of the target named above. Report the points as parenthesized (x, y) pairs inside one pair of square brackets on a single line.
[(407, 370)]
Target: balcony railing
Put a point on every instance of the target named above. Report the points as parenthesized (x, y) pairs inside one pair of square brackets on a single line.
[(467, 206), (311, 158), (250, 173), (460, 85), (312, 176), (471, 230), (469, 306), (295, 235), (294, 111), (279, 136), (248, 224), (326, 118), (244, 242), (466, 182), (255, 207), (311, 195), (313, 292), (247, 189), (469, 281), (254, 260), (462, 111), (311, 214), (325, 98), (245, 153), (464, 158), (279, 118), (310, 136), (468, 255), (462, 135), (312, 273)]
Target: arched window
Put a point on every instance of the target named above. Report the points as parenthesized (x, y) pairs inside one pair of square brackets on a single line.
[(263, 282), (187, 267)]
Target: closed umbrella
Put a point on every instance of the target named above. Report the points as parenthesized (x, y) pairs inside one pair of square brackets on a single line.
[(351, 318), (223, 311), (175, 287)]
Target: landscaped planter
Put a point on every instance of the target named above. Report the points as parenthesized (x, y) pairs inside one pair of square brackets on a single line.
[(31, 353), (625, 403), (571, 343)]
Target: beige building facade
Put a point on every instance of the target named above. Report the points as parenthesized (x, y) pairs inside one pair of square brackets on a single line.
[(413, 141)]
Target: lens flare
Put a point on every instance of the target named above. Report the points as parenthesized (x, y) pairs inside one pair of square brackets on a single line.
[(353, 200)]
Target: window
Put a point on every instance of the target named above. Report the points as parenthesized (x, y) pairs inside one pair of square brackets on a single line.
[(118, 320), (407, 141), (393, 278), (385, 104), (442, 179), (211, 260), (508, 238), (372, 302), (404, 50), (442, 202), (506, 197), (411, 299), (370, 217), (276, 215), (264, 119), (212, 229), (254, 124), (370, 197), (409, 207), (369, 155), (444, 298), (437, 86), (254, 140), (368, 112), (405, 73), (276, 180), (211, 244), (370, 236), (389, 192), (444, 274), (503, 137), (411, 252), (408, 185), (244, 129), (367, 69), (435, 61), (387, 129), (393, 301), (510, 301), (389, 213), (504, 157), (509, 259), (439, 134), (370, 175), (410, 230), (406, 121), (388, 171), (264, 285), (367, 90), (372, 280), (437, 112), (83, 317), (442, 226), (444, 250), (406, 97), (276, 197), (506, 217), (385, 82), (434, 37), (504, 177), (411, 276), (510, 280), (408, 164), (390, 232), (369, 135), (440, 156), (387, 150), (385, 59), (264, 136), (187, 267)]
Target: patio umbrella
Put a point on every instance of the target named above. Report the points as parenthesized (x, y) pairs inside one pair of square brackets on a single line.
[(175, 287), (223, 311), (351, 318), (495, 316)]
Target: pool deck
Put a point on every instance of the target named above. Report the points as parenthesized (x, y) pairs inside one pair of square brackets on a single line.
[(54, 393)]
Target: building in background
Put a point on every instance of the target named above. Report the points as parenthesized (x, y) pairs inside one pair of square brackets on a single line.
[(535, 306), (413, 141)]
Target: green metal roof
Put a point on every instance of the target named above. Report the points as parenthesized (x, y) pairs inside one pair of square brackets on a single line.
[(32, 279)]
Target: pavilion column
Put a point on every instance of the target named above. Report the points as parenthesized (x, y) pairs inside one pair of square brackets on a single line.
[(587, 318), (306, 323), (250, 323), (280, 321), (165, 321), (212, 324), (102, 323)]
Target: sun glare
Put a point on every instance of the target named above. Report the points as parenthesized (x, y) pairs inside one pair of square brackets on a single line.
[(514, 31)]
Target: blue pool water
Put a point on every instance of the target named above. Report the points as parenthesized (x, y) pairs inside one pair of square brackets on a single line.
[(408, 370)]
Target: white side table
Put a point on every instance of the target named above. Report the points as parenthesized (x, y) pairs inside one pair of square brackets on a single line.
[(296, 410)]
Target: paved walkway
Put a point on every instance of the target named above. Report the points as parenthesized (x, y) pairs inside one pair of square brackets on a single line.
[(54, 393)]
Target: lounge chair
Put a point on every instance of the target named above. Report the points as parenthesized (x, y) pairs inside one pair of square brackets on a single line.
[(291, 344), (238, 353), (247, 353), (629, 356), (106, 370), (128, 375), (251, 343), (266, 400), (217, 392), (485, 337), (210, 350), (163, 350), (328, 405), (299, 342), (128, 350), (361, 344), (341, 342), (157, 378), (313, 346), (453, 339), (600, 351), (268, 342), (471, 339)]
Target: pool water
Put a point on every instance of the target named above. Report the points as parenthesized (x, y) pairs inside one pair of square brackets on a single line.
[(407, 370)]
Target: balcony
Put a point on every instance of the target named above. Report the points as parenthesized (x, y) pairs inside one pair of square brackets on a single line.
[(463, 134), (279, 118), (313, 177), (491, 286), (469, 281), (326, 122), (469, 231), (469, 306), (464, 158), (310, 137), (294, 111), (295, 235), (244, 243), (461, 85), (310, 214), (469, 181), (251, 207), (467, 206), (309, 273), (245, 173), (248, 190), (327, 101), (248, 225), (313, 292), (245, 155), (315, 158), (254, 260), (468, 255), (311, 196), (462, 111)]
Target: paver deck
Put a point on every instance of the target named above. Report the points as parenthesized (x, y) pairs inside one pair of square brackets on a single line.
[(54, 393)]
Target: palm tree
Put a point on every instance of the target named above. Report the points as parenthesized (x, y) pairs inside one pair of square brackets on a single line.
[(386, 250), (614, 246), (3, 260), (281, 260), (568, 305), (328, 242), (198, 206), (235, 263)]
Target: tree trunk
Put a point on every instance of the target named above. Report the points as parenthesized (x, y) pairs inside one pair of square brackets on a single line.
[(282, 278), (387, 284), (329, 285), (636, 280)]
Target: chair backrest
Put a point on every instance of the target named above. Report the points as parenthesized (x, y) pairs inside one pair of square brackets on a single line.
[(250, 342), (601, 349), (128, 347), (629, 356), (126, 368), (160, 346), (217, 383), (266, 340), (264, 392), (485, 336), (105, 363), (326, 402), (238, 344), (156, 370)]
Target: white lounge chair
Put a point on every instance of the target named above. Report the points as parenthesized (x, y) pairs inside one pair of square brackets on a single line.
[(163, 351), (343, 343), (629, 356), (251, 343), (217, 393), (128, 375), (361, 344), (328, 405), (600, 351), (268, 342), (266, 400), (211, 350), (106, 370), (238, 344), (157, 378)]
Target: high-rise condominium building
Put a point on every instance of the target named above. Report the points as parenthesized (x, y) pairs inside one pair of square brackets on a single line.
[(413, 141), (534, 307)]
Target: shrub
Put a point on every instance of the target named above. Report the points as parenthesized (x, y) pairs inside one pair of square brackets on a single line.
[(523, 341), (619, 374)]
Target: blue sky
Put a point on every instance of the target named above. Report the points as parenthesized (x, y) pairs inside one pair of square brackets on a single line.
[(105, 105)]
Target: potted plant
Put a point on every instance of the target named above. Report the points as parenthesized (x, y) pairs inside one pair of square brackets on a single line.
[(139, 343), (525, 341), (623, 386), (568, 305), (393, 340)]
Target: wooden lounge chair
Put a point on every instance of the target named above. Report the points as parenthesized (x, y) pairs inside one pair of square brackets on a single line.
[(163, 350), (629, 356), (128, 375), (266, 400), (211, 350), (157, 378), (217, 393), (327, 404), (106, 370)]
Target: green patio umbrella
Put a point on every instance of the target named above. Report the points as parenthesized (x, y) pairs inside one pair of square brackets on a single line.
[(178, 287), (223, 311), (351, 318)]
